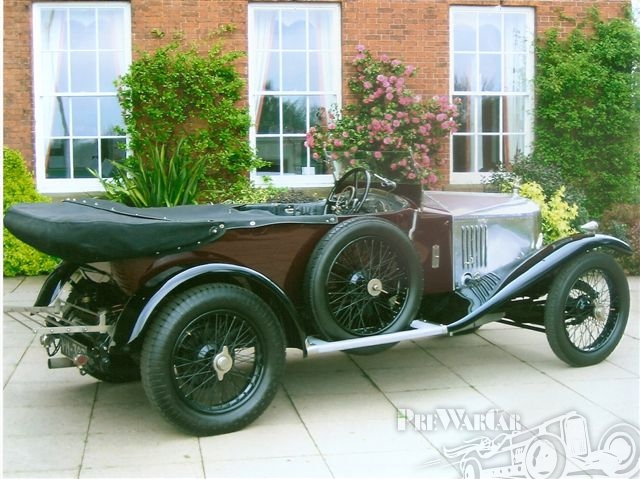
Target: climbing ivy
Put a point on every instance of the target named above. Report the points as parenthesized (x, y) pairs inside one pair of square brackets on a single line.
[(588, 108)]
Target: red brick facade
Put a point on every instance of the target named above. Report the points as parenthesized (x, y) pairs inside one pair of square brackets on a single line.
[(417, 31)]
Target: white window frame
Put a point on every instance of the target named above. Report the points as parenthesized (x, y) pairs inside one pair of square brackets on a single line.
[(290, 179), (65, 185), (476, 176)]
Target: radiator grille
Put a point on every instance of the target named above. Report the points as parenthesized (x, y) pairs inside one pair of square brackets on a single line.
[(474, 247)]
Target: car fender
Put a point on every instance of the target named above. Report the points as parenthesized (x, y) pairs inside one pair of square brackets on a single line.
[(537, 266), (284, 309)]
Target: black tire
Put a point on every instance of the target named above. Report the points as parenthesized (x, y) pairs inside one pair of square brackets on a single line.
[(364, 278), (212, 359), (587, 309)]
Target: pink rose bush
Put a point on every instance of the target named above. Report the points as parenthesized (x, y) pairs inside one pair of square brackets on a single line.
[(388, 129)]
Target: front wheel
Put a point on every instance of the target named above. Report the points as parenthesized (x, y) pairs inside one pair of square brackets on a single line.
[(212, 360), (587, 309)]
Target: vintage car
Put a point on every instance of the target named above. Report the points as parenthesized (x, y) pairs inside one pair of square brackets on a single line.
[(201, 301)]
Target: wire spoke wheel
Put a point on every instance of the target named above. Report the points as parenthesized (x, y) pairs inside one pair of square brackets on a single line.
[(367, 286), (213, 358), (363, 278), (217, 360), (590, 311), (587, 309)]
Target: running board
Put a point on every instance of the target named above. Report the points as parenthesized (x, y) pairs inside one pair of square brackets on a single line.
[(419, 330)]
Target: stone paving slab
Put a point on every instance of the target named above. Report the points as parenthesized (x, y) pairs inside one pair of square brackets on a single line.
[(334, 416)]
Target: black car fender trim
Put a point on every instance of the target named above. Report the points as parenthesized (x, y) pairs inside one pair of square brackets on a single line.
[(285, 309), (532, 269)]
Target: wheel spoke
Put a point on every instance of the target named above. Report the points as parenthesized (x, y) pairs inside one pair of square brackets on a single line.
[(194, 354)]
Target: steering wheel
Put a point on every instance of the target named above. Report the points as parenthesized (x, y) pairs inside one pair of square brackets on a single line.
[(349, 192)]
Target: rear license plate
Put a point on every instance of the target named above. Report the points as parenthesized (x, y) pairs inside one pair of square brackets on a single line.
[(70, 348)]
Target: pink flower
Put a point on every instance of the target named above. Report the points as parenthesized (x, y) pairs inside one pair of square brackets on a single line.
[(360, 48), (377, 155), (389, 96), (367, 85)]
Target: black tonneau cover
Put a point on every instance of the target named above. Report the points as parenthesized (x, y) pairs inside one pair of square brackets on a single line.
[(87, 231)]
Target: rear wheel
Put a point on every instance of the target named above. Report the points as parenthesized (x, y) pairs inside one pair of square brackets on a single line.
[(364, 278), (587, 309), (213, 358)]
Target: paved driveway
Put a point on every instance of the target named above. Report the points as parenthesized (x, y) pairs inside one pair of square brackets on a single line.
[(386, 415)]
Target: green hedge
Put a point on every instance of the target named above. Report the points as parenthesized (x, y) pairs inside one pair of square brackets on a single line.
[(588, 109), (19, 258)]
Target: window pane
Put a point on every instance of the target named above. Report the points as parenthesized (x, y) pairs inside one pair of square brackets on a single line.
[(489, 37), (112, 151), (465, 115), (111, 67), (54, 66), (294, 72), (58, 159), (490, 153), (294, 114), (490, 73), (515, 73), (269, 115), (465, 72), (513, 114), (515, 33), (84, 112), (83, 28), (85, 157), (110, 116), (59, 110), (464, 32), (266, 29), (463, 153), (294, 30), (490, 114), (319, 107), (320, 30), (272, 80), (83, 72), (110, 23), (53, 29), (294, 155), (513, 145), (269, 150)]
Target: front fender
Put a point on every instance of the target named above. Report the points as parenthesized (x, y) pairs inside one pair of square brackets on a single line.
[(283, 306), (534, 268)]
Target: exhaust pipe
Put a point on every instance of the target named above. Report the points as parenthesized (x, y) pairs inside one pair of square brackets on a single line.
[(58, 363)]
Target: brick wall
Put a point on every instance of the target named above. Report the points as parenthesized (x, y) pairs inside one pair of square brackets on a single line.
[(414, 30)]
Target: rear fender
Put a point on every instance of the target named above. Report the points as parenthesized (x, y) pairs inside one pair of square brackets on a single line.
[(263, 286), (536, 267)]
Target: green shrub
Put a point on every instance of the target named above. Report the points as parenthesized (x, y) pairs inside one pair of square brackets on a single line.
[(588, 109), (623, 221), (556, 213), (177, 96), (19, 258), (525, 169)]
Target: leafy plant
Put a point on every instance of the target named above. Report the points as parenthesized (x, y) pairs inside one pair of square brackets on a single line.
[(176, 95), (18, 187), (556, 213), (623, 221), (162, 179), (386, 128), (588, 109), (525, 169)]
